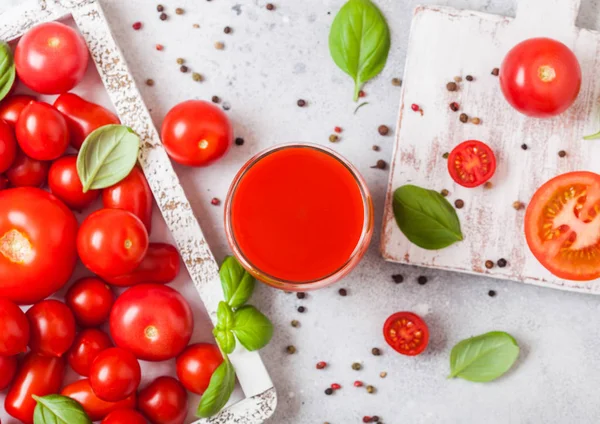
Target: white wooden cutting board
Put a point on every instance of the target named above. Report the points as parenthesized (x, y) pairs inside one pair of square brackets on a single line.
[(445, 43)]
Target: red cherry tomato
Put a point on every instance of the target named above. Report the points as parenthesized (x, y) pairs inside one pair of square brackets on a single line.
[(540, 77), (471, 163), (83, 117), (136, 324), (3, 182), (27, 172), (8, 369), (112, 242), (132, 194), (38, 375), (160, 265), (8, 146), (164, 401), (37, 244), (196, 365), (90, 299), (406, 333), (42, 132), (52, 327), (115, 374), (125, 416), (14, 329), (11, 108), (51, 58), (65, 184), (196, 133), (87, 345), (96, 408)]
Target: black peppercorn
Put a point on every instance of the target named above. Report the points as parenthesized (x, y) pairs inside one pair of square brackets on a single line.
[(183, 68), (227, 30), (422, 280), (562, 154), (459, 203), (375, 148), (163, 16), (495, 72), (291, 349), (491, 293), (464, 118), (239, 141), (445, 155), (216, 99), (328, 391), (397, 278), (469, 78), (502, 262), (381, 164), (383, 130), (342, 292), (524, 146), (270, 6), (301, 309), (160, 8), (376, 351), (301, 103), (300, 295)]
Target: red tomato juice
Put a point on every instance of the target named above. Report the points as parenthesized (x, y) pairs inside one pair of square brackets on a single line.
[(298, 214)]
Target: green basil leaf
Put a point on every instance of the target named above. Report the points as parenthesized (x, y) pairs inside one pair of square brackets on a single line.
[(252, 328), (359, 41), (237, 283), (225, 339), (219, 390), (7, 69), (483, 358), (426, 218), (592, 136), (224, 316), (107, 156), (57, 409)]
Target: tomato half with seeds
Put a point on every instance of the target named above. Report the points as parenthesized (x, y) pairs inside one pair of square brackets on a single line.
[(471, 163), (406, 333), (562, 226)]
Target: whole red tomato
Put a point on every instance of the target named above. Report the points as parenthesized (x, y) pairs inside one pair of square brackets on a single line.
[(51, 58), (132, 194), (65, 184), (37, 244), (164, 401), (87, 345), (196, 133), (96, 408), (27, 172), (90, 299), (125, 416), (160, 265), (11, 108), (540, 77), (8, 369), (8, 146), (42, 131), (83, 117), (14, 329), (52, 327), (112, 242), (153, 321), (115, 374), (38, 375), (196, 365)]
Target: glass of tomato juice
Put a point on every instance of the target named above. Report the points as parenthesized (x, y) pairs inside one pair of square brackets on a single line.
[(298, 216)]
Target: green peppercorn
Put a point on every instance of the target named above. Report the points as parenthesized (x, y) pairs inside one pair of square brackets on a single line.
[(291, 349), (197, 77), (370, 389)]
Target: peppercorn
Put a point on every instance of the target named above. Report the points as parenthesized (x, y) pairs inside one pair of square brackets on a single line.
[(301, 309), (422, 280), (459, 203), (451, 86), (375, 419), (562, 154), (464, 118), (196, 26), (150, 82), (367, 419), (444, 192), (336, 386), (375, 148), (457, 79), (328, 391), (415, 107), (476, 121), (321, 365), (488, 185), (226, 106), (183, 69), (219, 45), (239, 141), (469, 78), (301, 102), (179, 11), (495, 72), (396, 82), (454, 107), (358, 383), (361, 93), (197, 77), (376, 351), (137, 25), (227, 30), (343, 292), (180, 61), (337, 129), (370, 389), (445, 155), (215, 99), (163, 16), (356, 366), (524, 146), (291, 349), (502, 262), (381, 164), (300, 295), (215, 201), (397, 278), (383, 374), (270, 6), (383, 130), (295, 323), (518, 205), (333, 138), (159, 47), (489, 264), (491, 293), (160, 8)]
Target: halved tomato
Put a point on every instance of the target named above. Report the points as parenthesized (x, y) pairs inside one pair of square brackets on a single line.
[(562, 226), (471, 163), (406, 333)]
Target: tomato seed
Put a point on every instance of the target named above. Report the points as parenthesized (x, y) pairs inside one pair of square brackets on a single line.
[(383, 130), (321, 365), (415, 107), (457, 79), (149, 82), (219, 45), (336, 386), (397, 278), (476, 121), (518, 205), (488, 185), (179, 11), (383, 374), (445, 155), (358, 383), (137, 26)]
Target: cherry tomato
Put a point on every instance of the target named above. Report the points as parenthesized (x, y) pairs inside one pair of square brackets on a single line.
[(540, 77), (51, 58), (96, 408), (406, 333), (14, 329), (90, 299), (87, 345), (27, 172), (8, 146), (38, 375), (160, 265), (124, 416), (196, 365), (65, 184), (196, 133), (471, 163), (112, 242), (3, 182), (115, 374), (42, 131), (52, 327), (37, 244), (164, 401), (136, 325), (11, 108), (83, 117), (132, 194), (8, 369)]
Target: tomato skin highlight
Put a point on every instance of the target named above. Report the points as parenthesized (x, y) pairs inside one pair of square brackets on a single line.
[(14, 329), (8, 370), (87, 345), (124, 416), (65, 184), (52, 327), (42, 132), (27, 172), (96, 408), (11, 108), (164, 401), (8, 146), (115, 374), (471, 163), (196, 365), (403, 328)]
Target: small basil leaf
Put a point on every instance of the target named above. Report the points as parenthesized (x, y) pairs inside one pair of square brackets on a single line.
[(225, 316), (7, 69), (359, 41), (57, 409), (252, 328), (425, 217), (483, 358), (225, 340), (237, 283), (219, 390), (592, 136), (107, 156)]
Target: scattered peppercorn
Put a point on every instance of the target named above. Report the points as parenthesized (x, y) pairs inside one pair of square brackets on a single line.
[(444, 192), (215, 99), (300, 295), (137, 26), (321, 365), (459, 203), (451, 86), (226, 106), (397, 278), (301, 102), (160, 8), (180, 61), (469, 78), (179, 11), (270, 6), (415, 107), (328, 391), (562, 154), (495, 72), (383, 130), (488, 185), (454, 107), (227, 30), (370, 389), (457, 79), (215, 201), (219, 45), (383, 374), (476, 121), (422, 280), (491, 293), (356, 366), (524, 146), (375, 419), (163, 16), (197, 77), (518, 205), (183, 69), (301, 309), (295, 323), (445, 155), (358, 383), (337, 129), (159, 47), (381, 164), (336, 386), (343, 292), (464, 118), (291, 349), (396, 82), (333, 138), (375, 147), (376, 351), (196, 26), (150, 82), (489, 264), (367, 419), (502, 262), (239, 141), (361, 93)]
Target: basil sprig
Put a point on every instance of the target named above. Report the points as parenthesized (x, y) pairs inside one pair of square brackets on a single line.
[(58, 409), (7, 69), (219, 390), (236, 282), (252, 328), (359, 41)]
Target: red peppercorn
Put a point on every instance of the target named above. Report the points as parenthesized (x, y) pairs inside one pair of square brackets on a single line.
[(137, 25), (361, 93), (415, 107), (321, 365), (367, 419), (159, 47), (215, 201), (336, 386), (338, 129), (358, 383)]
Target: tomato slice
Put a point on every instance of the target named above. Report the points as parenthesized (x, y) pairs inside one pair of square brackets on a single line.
[(471, 163), (562, 227), (406, 333)]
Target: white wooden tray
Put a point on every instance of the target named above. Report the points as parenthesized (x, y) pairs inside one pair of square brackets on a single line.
[(445, 43), (259, 399)]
